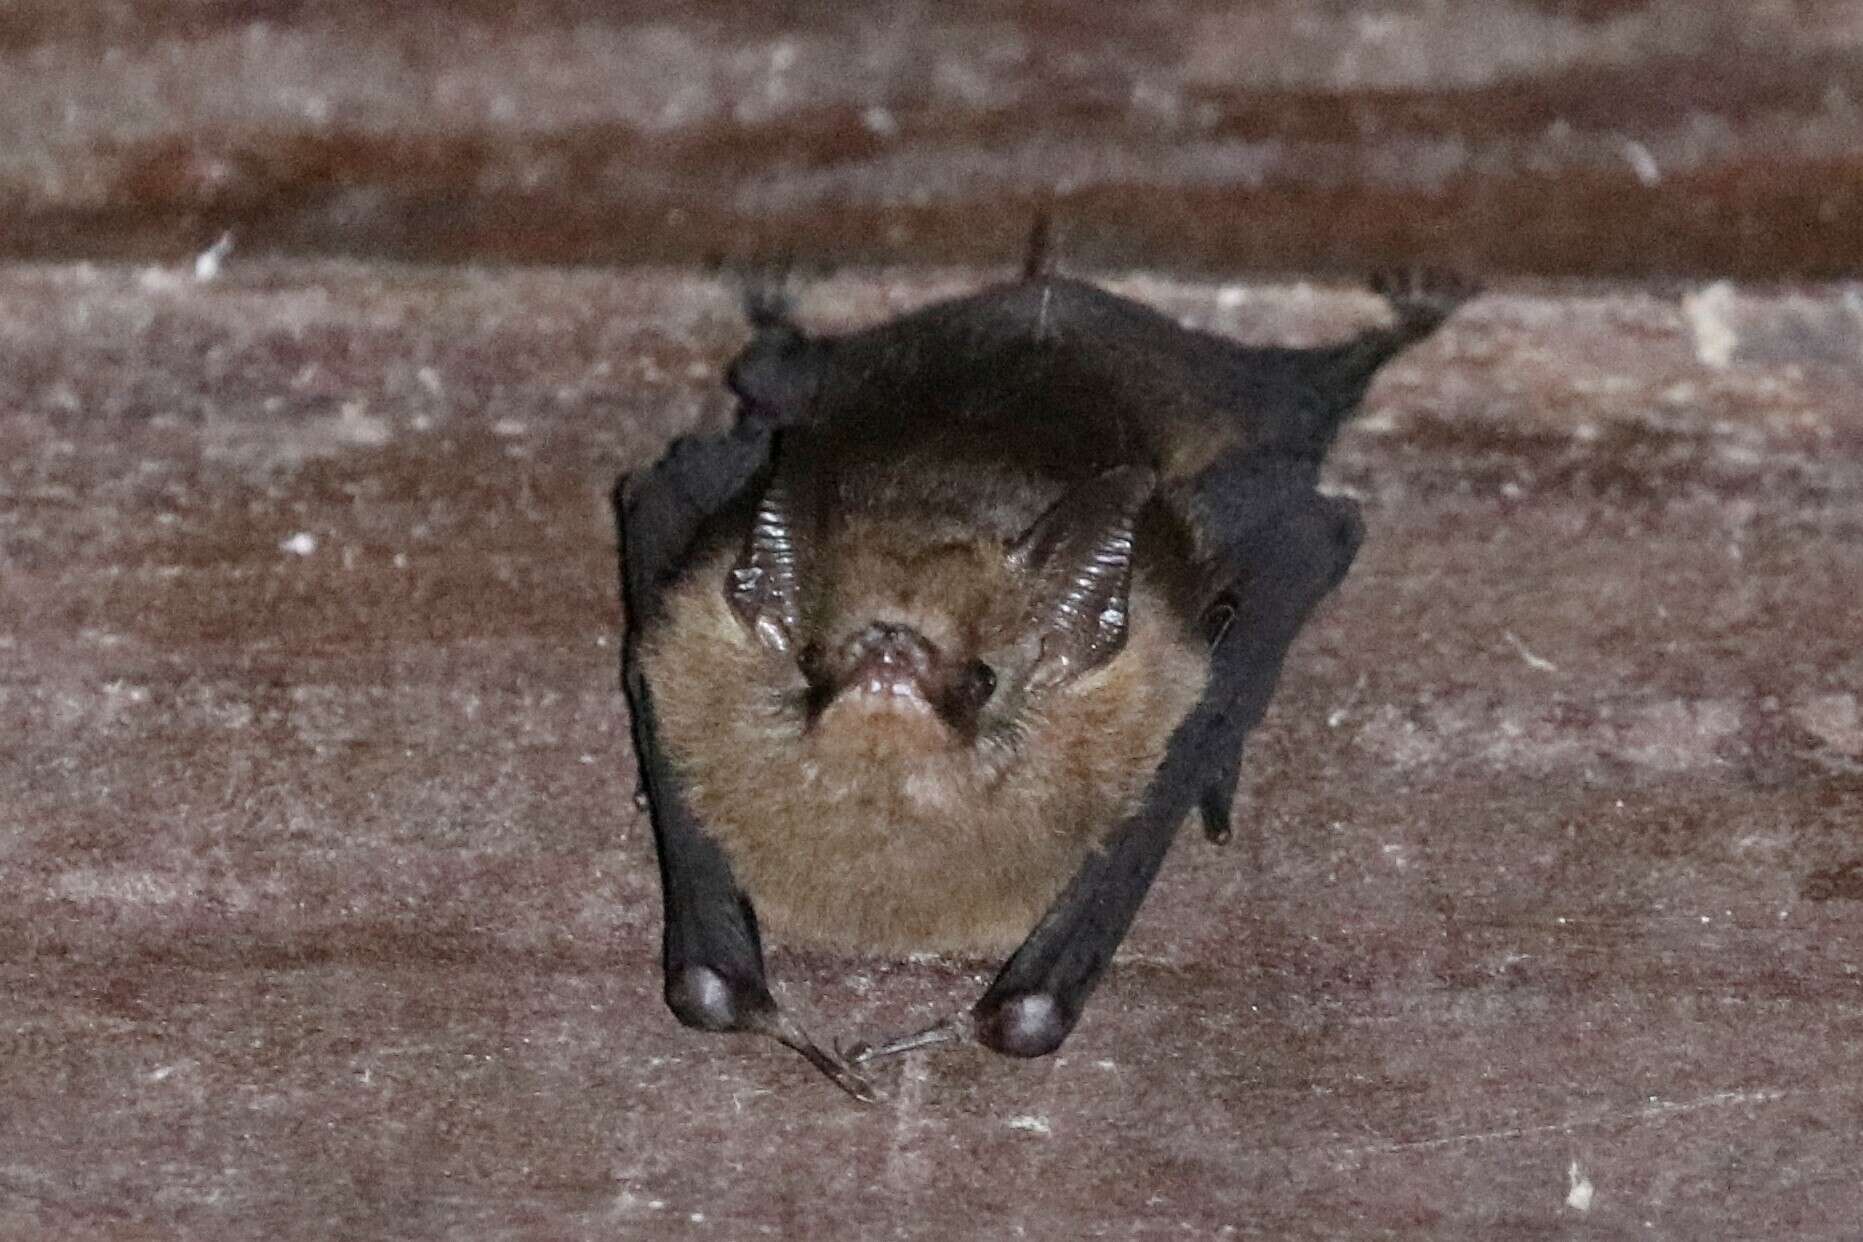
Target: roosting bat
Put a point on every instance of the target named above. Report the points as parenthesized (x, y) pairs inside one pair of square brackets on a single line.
[(937, 648)]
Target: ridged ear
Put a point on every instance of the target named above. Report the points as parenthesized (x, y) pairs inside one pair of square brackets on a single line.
[(1079, 556), (763, 587)]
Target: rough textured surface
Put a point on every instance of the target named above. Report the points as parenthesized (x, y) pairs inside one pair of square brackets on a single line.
[(1545, 136), (329, 914)]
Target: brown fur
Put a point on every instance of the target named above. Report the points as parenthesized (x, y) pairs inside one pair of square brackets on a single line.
[(878, 829)]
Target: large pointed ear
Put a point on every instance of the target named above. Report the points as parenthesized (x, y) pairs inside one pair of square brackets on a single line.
[(763, 587), (1078, 555)]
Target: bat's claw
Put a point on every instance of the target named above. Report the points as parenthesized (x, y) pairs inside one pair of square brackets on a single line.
[(1216, 804), (958, 1029), (788, 1032), (841, 1074), (767, 300), (1217, 809)]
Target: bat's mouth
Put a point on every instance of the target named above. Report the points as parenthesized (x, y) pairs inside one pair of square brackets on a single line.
[(882, 692), (885, 667)]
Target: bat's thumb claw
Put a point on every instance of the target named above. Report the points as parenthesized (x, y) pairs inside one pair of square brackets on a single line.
[(1217, 810)]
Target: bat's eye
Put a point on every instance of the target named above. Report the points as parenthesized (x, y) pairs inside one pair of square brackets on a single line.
[(982, 679)]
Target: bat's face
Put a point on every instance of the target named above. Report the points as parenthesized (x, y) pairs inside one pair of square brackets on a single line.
[(918, 655), (908, 741)]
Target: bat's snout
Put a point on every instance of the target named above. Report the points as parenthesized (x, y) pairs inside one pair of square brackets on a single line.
[(886, 664)]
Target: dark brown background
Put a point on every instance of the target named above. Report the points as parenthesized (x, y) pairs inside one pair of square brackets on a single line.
[(327, 910), (1550, 136)]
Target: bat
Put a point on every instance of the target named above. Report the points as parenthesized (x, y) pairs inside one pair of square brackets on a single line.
[(937, 647)]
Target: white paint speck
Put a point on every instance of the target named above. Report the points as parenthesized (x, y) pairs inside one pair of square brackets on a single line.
[(301, 544), (207, 262), (1708, 311), (1383, 423), (1032, 1124), (158, 279), (1533, 661), (1642, 163), (509, 427), (1578, 1197)]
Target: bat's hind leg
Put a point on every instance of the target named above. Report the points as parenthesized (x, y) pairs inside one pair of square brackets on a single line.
[(1421, 300)]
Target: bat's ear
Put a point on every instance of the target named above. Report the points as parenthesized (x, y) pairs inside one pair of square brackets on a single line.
[(1078, 555), (763, 586)]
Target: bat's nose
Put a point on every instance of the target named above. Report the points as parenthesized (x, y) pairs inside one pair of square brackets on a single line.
[(890, 644), (888, 636)]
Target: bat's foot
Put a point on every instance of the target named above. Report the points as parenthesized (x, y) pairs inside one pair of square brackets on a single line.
[(1025, 1024), (767, 301), (959, 1028), (843, 1075), (1422, 297), (704, 999), (778, 370)]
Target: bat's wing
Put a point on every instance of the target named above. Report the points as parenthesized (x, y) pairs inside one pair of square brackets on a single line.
[(713, 958)]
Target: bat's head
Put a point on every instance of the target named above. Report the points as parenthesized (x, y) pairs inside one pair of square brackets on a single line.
[(912, 642)]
